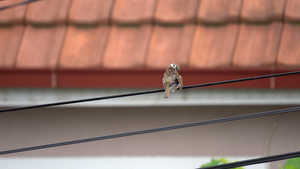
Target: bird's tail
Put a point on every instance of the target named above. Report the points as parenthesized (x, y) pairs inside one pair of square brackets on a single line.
[(167, 92)]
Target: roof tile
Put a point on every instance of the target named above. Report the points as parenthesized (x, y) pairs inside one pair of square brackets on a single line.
[(12, 15), (170, 45), (150, 33), (289, 53), (40, 47), (83, 47), (127, 47), (133, 11), (292, 12), (9, 44), (176, 11), (257, 45), (216, 11), (98, 11), (262, 10), (47, 11), (213, 46)]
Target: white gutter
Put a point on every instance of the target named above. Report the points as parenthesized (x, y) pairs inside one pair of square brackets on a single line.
[(193, 97)]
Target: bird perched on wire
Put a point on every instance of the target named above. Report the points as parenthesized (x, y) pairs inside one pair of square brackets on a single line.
[(172, 79)]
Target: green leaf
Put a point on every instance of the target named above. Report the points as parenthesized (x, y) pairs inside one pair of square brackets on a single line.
[(289, 167), (294, 162), (214, 162), (224, 161), (280, 167)]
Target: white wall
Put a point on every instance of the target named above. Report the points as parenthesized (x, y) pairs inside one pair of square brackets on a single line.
[(112, 163)]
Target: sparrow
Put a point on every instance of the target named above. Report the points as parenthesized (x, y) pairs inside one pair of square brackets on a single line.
[(172, 79)]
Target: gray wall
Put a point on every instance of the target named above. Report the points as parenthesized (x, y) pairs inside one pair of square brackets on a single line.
[(252, 137)]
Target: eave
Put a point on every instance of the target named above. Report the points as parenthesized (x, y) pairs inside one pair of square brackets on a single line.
[(141, 78)]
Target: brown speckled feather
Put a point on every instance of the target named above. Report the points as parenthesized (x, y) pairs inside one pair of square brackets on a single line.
[(172, 80)]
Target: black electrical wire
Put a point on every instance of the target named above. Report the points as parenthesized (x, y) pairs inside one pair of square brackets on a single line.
[(17, 4), (223, 166), (145, 92), (154, 130), (255, 161)]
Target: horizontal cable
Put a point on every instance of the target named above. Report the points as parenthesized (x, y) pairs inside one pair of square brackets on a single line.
[(146, 92), (255, 161), (17, 4), (154, 130)]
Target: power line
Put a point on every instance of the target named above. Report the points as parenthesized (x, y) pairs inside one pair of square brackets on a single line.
[(223, 166), (146, 92), (255, 161), (154, 130), (17, 4)]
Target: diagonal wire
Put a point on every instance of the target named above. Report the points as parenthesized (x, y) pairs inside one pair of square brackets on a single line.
[(154, 130), (223, 166), (146, 92), (17, 4), (255, 161)]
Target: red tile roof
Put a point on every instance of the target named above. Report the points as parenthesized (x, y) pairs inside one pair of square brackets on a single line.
[(213, 46), (292, 12), (175, 11), (150, 34), (169, 44), (12, 15), (83, 47), (90, 12), (289, 51), (47, 12), (40, 47), (216, 11), (257, 45), (10, 39), (127, 47), (262, 10), (133, 11)]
